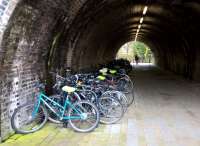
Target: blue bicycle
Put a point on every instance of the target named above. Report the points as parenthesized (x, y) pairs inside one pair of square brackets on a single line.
[(83, 116)]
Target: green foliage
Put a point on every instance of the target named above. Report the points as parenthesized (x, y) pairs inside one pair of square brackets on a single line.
[(136, 48), (139, 48)]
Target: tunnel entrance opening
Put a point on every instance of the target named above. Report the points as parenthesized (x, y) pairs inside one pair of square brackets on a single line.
[(134, 50), (40, 36)]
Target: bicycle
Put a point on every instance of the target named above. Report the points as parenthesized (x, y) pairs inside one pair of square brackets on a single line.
[(111, 108), (82, 116)]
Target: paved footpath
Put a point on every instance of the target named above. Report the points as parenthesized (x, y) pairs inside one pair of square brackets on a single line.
[(166, 113)]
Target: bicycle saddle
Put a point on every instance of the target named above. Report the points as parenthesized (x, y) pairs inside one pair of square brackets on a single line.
[(68, 89)]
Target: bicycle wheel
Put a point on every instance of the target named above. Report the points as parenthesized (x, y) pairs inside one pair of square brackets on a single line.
[(126, 86), (59, 99), (23, 122), (88, 95), (119, 96), (129, 91), (111, 110), (89, 114), (52, 117)]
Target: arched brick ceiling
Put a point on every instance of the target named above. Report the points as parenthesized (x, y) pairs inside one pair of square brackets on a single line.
[(43, 35), (107, 26), (91, 31)]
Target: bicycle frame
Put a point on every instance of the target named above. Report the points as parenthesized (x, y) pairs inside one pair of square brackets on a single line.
[(42, 98)]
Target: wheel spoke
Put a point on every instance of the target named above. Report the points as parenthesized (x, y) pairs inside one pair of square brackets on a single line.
[(23, 122)]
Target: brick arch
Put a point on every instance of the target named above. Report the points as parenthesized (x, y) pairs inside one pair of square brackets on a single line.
[(164, 25), (43, 35), (27, 41)]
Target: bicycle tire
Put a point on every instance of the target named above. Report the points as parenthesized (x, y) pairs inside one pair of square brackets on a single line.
[(15, 118), (79, 105), (119, 96), (104, 112), (127, 89), (52, 117), (130, 94)]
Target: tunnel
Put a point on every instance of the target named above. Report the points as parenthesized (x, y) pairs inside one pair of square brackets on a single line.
[(44, 35)]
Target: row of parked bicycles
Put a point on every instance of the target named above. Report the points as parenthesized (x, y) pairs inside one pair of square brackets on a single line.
[(80, 101)]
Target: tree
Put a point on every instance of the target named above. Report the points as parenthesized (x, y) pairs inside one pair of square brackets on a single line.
[(136, 48)]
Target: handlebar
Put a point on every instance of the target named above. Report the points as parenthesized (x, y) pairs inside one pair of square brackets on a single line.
[(58, 77)]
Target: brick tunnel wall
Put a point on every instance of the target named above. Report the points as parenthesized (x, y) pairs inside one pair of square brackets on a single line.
[(27, 35), (24, 38), (39, 36), (27, 41)]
